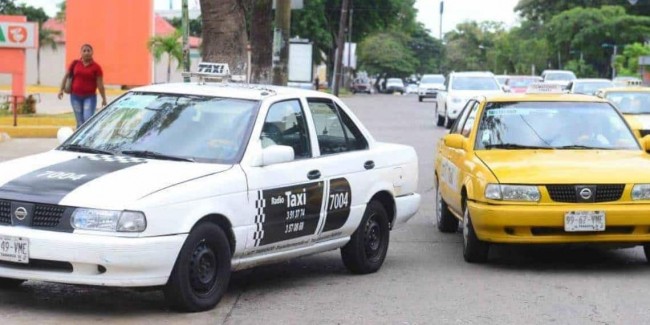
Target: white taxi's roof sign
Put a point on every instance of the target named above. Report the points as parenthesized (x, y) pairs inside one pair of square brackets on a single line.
[(545, 88)]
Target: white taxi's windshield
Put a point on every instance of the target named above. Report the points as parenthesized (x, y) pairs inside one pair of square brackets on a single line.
[(560, 76), (433, 80), (631, 102), (553, 125), (475, 83), (197, 128)]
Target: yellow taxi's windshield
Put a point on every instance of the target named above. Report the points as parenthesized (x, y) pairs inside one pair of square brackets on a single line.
[(631, 102), (553, 125)]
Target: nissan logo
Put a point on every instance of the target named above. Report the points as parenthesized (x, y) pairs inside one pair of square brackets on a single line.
[(585, 194), (20, 213)]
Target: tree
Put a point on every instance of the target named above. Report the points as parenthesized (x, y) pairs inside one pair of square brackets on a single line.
[(388, 55), (627, 64), (224, 33), (261, 39), (60, 15), (170, 45), (427, 51), (544, 10), (196, 26)]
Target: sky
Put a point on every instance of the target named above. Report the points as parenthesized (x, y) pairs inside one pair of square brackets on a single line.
[(456, 11)]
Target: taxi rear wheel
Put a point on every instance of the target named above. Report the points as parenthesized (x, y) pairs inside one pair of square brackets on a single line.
[(366, 250), (474, 249), (201, 274), (445, 221), (7, 283)]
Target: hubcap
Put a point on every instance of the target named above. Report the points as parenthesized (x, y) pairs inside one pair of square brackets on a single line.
[(372, 238), (203, 269)]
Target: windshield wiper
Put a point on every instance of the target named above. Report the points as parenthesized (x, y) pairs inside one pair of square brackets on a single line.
[(154, 155), (513, 146), (80, 148), (577, 146)]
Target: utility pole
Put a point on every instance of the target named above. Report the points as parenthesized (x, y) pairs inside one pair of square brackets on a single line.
[(442, 10), (614, 61), (186, 44), (350, 42), (339, 48), (281, 42)]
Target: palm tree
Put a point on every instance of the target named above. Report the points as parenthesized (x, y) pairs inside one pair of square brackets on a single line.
[(46, 38), (170, 45)]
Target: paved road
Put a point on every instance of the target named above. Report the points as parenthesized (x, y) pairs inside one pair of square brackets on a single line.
[(423, 281)]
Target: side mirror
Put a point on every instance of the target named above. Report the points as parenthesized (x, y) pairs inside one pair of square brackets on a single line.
[(645, 143), (63, 134), (277, 154), (455, 141)]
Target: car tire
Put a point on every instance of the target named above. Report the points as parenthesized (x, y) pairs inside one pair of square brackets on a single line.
[(8, 283), (367, 248), (441, 120), (420, 99), (646, 250), (474, 249), (445, 221), (201, 273), (448, 122)]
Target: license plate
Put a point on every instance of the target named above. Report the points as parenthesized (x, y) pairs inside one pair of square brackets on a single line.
[(584, 221), (14, 249)]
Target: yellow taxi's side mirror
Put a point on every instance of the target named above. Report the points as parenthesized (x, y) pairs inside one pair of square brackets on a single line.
[(455, 141), (645, 143)]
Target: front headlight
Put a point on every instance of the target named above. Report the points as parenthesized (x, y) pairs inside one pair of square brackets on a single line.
[(641, 192), (108, 220), (512, 192)]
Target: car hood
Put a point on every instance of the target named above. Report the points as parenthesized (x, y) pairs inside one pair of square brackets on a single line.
[(638, 121), (567, 166), (95, 181)]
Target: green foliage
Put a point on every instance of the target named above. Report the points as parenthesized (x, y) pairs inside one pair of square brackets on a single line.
[(196, 25), (387, 53), (473, 46), (427, 51), (60, 15), (627, 64), (8, 7), (544, 10), (170, 45)]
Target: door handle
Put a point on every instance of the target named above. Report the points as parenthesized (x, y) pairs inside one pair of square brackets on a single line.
[(369, 164), (314, 174)]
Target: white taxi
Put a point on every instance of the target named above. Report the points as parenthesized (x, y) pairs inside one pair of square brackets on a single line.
[(177, 185)]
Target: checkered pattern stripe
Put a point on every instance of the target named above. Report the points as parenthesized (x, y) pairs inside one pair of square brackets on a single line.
[(260, 217), (117, 159)]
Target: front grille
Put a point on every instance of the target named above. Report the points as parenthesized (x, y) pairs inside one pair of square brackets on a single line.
[(567, 193), (47, 216), (40, 265), (5, 213), (644, 132)]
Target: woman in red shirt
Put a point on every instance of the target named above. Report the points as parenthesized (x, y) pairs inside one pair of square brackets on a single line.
[(87, 77)]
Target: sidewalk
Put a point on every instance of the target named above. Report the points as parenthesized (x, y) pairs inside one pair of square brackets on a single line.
[(47, 103)]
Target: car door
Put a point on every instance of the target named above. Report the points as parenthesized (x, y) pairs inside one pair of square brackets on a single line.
[(287, 196), (452, 160), (347, 165)]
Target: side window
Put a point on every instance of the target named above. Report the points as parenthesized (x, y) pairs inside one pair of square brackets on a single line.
[(457, 126), (335, 130), (285, 125), (469, 124)]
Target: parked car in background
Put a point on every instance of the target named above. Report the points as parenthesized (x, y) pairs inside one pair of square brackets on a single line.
[(430, 85), (412, 88), (589, 86), (361, 85), (558, 77), (634, 103), (395, 85), (519, 84), (460, 87)]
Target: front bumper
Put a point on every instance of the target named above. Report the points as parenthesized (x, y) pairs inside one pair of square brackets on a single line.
[(94, 260), (405, 207), (428, 93), (538, 224)]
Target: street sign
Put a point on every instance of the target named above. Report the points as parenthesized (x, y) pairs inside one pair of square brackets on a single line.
[(18, 35)]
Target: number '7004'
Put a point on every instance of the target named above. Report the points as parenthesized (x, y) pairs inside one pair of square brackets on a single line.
[(339, 200), (61, 175)]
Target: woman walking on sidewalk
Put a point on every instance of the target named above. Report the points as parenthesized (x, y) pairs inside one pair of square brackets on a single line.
[(81, 80)]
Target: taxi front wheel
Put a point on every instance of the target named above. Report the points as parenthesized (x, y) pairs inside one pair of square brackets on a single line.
[(366, 250), (201, 274), (474, 249), (646, 250), (7, 283)]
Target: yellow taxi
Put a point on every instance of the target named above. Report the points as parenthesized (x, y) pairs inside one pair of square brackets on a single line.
[(634, 103), (542, 168)]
